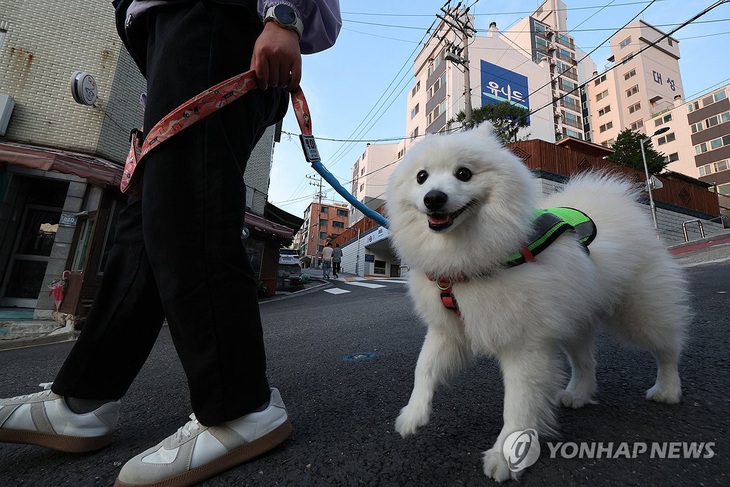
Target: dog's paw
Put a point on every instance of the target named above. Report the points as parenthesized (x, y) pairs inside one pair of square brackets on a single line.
[(571, 399), (660, 393), (409, 420), (495, 466)]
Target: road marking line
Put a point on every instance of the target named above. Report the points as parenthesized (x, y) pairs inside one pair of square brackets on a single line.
[(397, 281), (365, 284), (336, 290)]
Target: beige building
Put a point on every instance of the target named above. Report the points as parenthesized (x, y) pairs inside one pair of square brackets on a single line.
[(643, 83)]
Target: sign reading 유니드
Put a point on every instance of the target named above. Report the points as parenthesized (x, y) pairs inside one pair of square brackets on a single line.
[(500, 85)]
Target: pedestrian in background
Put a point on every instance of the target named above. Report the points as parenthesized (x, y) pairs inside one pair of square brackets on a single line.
[(336, 260), (178, 252), (327, 260)]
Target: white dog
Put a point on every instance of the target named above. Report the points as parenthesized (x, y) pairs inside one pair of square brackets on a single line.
[(460, 206)]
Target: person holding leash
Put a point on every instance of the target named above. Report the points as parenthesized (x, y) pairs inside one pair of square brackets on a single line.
[(178, 253)]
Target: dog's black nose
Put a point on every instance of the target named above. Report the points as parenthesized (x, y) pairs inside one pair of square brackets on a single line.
[(435, 200)]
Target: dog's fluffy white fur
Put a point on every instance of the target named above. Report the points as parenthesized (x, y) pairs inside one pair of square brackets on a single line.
[(458, 205)]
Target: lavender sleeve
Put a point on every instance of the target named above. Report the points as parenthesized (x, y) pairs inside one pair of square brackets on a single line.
[(321, 20)]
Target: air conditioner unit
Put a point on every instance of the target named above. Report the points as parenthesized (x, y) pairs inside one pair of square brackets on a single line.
[(6, 109)]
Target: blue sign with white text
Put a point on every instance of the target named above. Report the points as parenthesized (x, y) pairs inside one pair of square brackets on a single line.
[(500, 85)]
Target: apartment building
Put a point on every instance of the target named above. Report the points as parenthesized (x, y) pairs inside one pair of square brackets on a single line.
[(642, 82), (544, 35), (323, 222), (498, 72), (534, 65), (709, 120)]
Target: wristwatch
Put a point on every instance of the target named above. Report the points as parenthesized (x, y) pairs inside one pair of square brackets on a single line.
[(286, 17)]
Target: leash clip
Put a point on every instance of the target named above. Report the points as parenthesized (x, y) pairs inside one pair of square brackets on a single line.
[(309, 146)]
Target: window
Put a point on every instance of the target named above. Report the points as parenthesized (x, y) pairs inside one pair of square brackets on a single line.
[(709, 100), (325, 209), (606, 126), (625, 42), (637, 125), (661, 120), (630, 74), (604, 110), (437, 86), (338, 225), (361, 187), (415, 89), (721, 166), (437, 111), (705, 170), (673, 157), (322, 236), (714, 144), (632, 91), (342, 212), (323, 222), (414, 134), (635, 107), (414, 111), (600, 80), (666, 138), (697, 127), (602, 95), (695, 105)]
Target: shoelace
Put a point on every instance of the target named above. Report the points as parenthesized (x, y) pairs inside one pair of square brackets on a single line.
[(187, 430), (45, 392)]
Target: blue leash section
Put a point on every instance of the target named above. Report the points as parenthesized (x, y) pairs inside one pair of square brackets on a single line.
[(319, 167), (311, 154)]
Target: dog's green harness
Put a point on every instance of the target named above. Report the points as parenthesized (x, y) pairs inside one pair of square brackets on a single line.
[(547, 225)]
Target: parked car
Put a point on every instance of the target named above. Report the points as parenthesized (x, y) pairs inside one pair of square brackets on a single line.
[(288, 257)]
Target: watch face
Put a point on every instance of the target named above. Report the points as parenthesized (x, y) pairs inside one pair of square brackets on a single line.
[(285, 14)]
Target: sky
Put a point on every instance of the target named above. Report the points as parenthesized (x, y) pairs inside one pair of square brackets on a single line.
[(357, 90)]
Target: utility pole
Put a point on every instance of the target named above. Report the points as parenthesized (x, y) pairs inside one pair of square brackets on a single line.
[(459, 21), (314, 181)]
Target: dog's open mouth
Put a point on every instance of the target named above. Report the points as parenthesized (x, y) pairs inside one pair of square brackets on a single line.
[(439, 221)]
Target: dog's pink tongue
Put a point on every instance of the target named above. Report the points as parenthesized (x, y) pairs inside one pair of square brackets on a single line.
[(438, 218)]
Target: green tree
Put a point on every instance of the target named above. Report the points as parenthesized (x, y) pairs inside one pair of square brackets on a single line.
[(628, 152), (506, 118)]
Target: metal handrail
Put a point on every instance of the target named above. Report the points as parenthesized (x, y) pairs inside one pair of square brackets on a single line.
[(699, 224)]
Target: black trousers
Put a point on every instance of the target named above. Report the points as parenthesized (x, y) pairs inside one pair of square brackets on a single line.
[(178, 250)]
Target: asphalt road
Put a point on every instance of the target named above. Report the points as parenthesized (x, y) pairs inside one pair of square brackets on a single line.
[(344, 364)]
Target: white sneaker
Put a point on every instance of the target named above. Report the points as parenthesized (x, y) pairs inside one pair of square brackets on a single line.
[(196, 452), (44, 419)]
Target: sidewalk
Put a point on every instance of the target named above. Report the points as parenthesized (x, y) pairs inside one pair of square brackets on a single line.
[(25, 333)]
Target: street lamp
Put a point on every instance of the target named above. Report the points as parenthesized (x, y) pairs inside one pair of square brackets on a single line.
[(648, 180)]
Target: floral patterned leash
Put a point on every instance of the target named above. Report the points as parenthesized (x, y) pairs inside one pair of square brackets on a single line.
[(207, 102)]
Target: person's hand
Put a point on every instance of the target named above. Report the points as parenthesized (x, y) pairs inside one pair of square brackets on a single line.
[(277, 58)]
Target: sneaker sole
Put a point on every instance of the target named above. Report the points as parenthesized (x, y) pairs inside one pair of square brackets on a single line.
[(64, 443), (233, 458)]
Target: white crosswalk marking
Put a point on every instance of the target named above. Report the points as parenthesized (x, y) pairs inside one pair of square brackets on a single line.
[(397, 281), (336, 290), (365, 284)]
